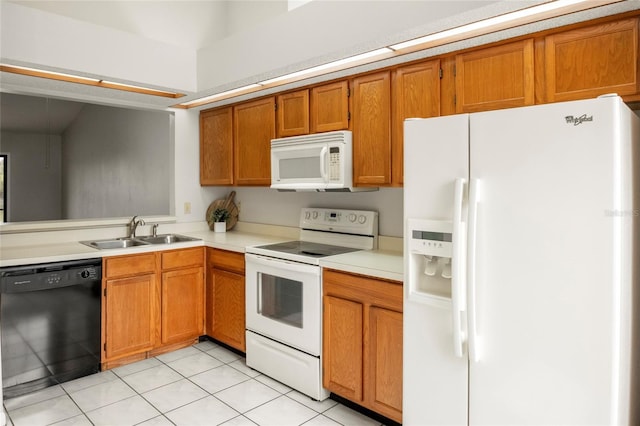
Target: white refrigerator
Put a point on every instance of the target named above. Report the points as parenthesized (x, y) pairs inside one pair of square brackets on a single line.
[(522, 266)]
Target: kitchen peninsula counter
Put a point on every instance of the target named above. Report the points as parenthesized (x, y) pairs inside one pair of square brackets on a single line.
[(376, 263)]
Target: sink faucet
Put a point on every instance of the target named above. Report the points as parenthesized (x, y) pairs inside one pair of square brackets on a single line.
[(154, 229), (133, 224)]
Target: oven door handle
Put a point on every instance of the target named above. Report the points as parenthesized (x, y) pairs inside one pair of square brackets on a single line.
[(281, 263)]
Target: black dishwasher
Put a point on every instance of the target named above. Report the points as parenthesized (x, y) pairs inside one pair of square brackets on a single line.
[(50, 324)]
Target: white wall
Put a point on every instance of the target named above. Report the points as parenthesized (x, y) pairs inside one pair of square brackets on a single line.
[(316, 33), (265, 205), (115, 162), (34, 181), (187, 170), (38, 38)]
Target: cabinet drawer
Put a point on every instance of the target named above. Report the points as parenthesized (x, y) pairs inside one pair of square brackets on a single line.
[(226, 260), (122, 266), (375, 291), (183, 258)]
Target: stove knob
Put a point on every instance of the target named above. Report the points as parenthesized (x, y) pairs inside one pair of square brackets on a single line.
[(362, 219), (352, 217), (85, 274), (315, 214), (307, 215)]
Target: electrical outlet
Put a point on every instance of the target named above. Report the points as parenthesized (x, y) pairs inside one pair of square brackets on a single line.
[(187, 207)]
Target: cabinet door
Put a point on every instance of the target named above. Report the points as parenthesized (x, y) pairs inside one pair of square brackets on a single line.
[(216, 147), (495, 77), (342, 347), (129, 314), (372, 129), (182, 304), (587, 62), (330, 107), (416, 94), (254, 127), (227, 299), (293, 113), (383, 385)]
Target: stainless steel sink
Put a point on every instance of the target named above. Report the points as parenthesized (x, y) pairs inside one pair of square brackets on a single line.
[(167, 239), (120, 243), (115, 243)]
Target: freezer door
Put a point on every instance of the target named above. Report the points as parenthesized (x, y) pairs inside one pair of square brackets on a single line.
[(553, 216), (435, 379)]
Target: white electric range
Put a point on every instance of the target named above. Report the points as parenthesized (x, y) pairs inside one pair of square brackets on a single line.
[(284, 295)]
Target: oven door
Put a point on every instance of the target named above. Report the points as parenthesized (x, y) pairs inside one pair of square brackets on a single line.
[(283, 301)]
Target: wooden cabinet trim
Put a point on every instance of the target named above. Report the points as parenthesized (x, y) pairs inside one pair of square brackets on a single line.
[(182, 304), (609, 65), (415, 93), (123, 337), (330, 107), (226, 260), (182, 258), (377, 292), (216, 146), (254, 125), (129, 265), (293, 113), (495, 77), (343, 362), (372, 129)]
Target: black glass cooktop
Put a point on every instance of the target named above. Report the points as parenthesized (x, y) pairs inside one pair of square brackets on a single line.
[(306, 248)]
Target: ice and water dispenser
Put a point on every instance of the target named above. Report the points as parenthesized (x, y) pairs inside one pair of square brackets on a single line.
[(431, 251)]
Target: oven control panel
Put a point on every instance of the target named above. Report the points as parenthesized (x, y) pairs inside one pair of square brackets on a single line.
[(361, 222)]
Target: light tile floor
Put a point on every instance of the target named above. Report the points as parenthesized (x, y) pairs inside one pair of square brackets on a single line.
[(204, 384)]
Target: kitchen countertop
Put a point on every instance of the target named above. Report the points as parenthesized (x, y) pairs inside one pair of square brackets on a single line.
[(377, 263)]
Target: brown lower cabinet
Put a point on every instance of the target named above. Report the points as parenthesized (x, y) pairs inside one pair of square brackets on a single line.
[(362, 341), (225, 297), (151, 303)]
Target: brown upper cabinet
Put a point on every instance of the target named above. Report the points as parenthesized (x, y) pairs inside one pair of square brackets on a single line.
[(415, 94), (580, 61), (216, 146), (495, 77), (372, 129), (319, 109), (330, 107), (254, 127), (587, 62), (293, 113)]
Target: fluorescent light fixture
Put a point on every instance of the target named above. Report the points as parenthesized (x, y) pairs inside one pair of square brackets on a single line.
[(70, 78), (335, 64), (511, 19), (222, 95)]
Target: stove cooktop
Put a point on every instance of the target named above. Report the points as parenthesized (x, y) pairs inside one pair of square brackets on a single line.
[(307, 248)]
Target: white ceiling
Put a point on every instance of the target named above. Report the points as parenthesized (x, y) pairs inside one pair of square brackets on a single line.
[(33, 114), (184, 23)]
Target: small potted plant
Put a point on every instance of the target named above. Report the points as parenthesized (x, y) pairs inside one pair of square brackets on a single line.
[(220, 216)]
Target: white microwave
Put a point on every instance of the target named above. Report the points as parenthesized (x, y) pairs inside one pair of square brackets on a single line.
[(316, 162)]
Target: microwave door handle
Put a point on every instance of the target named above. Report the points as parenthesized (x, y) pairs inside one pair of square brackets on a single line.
[(323, 163)]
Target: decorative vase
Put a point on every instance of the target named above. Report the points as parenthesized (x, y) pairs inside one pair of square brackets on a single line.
[(220, 227)]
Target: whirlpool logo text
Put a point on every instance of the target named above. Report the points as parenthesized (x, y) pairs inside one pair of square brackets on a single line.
[(570, 119)]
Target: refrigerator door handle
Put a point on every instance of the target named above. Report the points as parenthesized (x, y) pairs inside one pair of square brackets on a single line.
[(473, 341), (458, 290)]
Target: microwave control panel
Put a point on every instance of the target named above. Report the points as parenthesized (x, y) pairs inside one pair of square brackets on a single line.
[(334, 163)]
